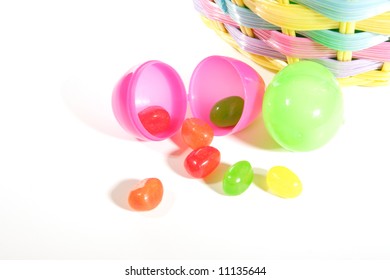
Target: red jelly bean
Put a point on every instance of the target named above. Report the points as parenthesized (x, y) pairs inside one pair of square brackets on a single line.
[(196, 133), (155, 119), (147, 195), (202, 161)]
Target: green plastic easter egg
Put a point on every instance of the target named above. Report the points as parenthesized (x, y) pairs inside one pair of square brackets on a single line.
[(238, 178), (303, 106)]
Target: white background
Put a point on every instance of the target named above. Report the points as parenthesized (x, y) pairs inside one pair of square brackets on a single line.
[(66, 165)]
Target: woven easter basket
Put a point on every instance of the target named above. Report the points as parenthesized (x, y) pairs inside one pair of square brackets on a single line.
[(350, 38)]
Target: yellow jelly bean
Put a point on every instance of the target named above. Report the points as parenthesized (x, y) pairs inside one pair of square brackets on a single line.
[(282, 182)]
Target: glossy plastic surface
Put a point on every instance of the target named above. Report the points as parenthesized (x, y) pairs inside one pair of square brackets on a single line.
[(152, 83), (303, 106), (219, 77)]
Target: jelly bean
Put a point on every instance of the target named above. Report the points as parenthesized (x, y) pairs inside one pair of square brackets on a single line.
[(282, 182), (155, 119), (196, 133), (202, 161), (147, 195), (227, 112), (238, 178), (303, 106)]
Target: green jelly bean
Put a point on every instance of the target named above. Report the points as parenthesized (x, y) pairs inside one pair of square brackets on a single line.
[(227, 112), (238, 178)]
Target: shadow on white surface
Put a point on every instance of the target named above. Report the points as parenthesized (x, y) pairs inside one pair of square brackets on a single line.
[(259, 178), (181, 146), (91, 108), (119, 194), (257, 135), (176, 163), (214, 180)]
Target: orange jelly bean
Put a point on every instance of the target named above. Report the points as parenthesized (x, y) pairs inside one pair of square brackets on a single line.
[(155, 119), (196, 133), (202, 161), (147, 195)]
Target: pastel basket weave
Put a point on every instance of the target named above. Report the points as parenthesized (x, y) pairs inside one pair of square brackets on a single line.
[(350, 37)]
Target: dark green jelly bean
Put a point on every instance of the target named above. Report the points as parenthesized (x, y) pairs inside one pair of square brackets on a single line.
[(227, 112), (238, 178)]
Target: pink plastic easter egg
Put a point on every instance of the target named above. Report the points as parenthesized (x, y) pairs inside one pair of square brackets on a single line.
[(217, 78), (151, 84)]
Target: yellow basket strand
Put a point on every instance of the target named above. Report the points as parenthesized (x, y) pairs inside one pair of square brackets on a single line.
[(379, 24), (346, 28)]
